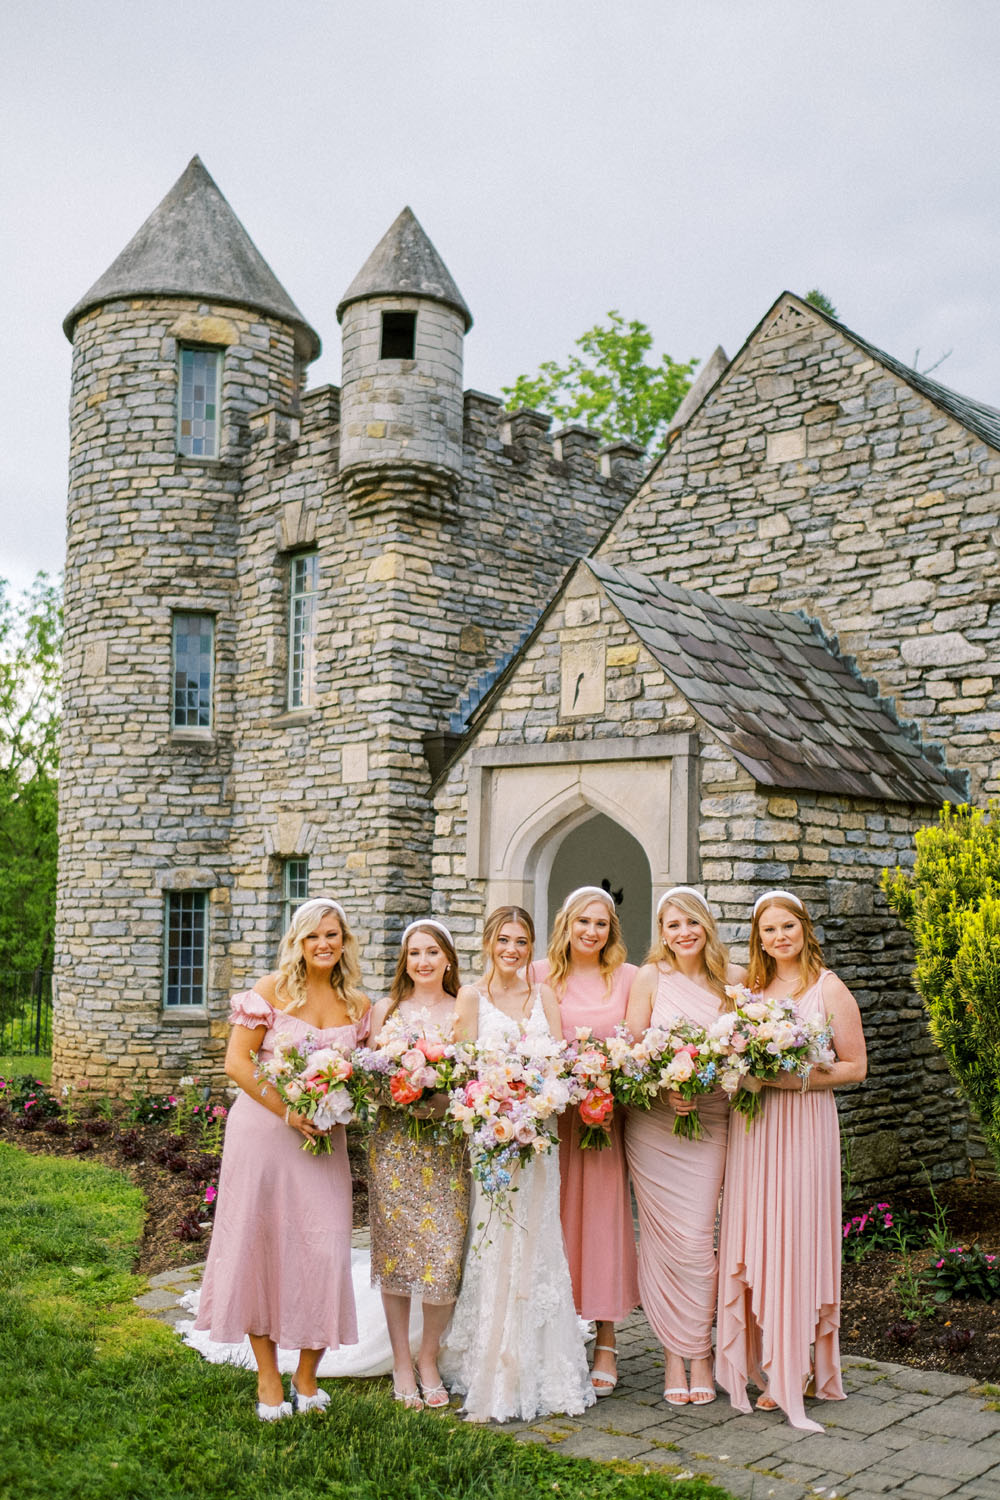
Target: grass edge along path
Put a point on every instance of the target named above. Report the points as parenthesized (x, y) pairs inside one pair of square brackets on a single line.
[(100, 1402)]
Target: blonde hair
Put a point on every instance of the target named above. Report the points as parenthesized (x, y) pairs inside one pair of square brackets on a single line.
[(715, 954), (763, 967), (491, 931), (345, 977), (402, 985), (611, 956)]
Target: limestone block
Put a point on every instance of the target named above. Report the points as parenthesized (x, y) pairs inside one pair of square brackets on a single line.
[(585, 610), (973, 687), (212, 329), (916, 591), (786, 447), (389, 565), (774, 525), (937, 562), (472, 638), (950, 649), (622, 656), (354, 762)]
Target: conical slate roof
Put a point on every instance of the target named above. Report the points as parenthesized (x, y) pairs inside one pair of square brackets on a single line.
[(405, 263), (193, 245)]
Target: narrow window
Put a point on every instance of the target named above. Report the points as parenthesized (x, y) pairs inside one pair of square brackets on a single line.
[(399, 333), (294, 889), (185, 942), (304, 581), (194, 639), (198, 408)]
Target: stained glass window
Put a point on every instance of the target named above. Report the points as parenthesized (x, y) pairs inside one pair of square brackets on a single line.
[(186, 933), (193, 661), (198, 410), (304, 583)]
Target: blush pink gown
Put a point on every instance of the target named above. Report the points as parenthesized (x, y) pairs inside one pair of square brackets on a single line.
[(594, 1202), (279, 1263), (779, 1251), (677, 1184)]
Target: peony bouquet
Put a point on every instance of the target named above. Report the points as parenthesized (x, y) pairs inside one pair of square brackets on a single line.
[(764, 1038), (410, 1064), (682, 1057), (312, 1081), (505, 1109), (590, 1073)]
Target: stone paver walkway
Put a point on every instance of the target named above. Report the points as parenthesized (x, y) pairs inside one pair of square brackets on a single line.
[(910, 1434)]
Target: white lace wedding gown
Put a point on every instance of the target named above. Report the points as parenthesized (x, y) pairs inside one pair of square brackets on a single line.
[(515, 1349)]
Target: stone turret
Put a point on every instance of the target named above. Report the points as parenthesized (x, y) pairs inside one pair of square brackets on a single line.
[(176, 348), (404, 321)]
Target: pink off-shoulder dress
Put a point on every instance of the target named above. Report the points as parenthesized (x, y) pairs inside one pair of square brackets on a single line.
[(279, 1264), (594, 1202), (677, 1184), (779, 1249)]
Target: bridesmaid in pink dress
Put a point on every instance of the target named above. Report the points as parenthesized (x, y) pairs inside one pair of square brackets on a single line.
[(279, 1266), (586, 969), (677, 1181), (779, 1252)]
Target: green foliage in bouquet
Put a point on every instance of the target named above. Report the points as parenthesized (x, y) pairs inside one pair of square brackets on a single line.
[(950, 903)]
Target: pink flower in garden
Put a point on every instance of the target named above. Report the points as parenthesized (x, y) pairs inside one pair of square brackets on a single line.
[(211, 1193)]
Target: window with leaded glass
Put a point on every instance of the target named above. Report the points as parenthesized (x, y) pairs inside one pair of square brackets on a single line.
[(198, 408), (294, 889), (304, 583), (194, 643), (185, 941)]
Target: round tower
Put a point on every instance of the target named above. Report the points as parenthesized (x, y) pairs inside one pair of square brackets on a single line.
[(401, 401), (183, 338)]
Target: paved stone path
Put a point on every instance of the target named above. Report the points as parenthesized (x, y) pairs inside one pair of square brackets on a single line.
[(907, 1433)]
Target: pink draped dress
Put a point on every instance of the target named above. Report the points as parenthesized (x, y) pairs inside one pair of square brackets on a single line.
[(779, 1250), (279, 1264), (677, 1184), (594, 1202)]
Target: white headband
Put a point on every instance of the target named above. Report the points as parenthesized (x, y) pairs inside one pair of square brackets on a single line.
[(589, 890), (770, 895), (326, 902), (426, 922), (681, 890)]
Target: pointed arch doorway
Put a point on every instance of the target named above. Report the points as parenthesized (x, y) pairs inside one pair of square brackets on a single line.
[(600, 852)]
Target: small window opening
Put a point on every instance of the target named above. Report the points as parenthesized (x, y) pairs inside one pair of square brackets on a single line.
[(399, 334)]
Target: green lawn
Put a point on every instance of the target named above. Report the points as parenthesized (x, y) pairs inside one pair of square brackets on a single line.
[(99, 1402), (34, 1067)]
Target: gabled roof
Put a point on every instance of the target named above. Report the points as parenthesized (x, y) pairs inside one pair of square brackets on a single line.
[(193, 245), (404, 263), (776, 694)]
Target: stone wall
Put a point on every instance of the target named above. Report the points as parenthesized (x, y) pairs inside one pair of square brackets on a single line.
[(813, 478), (743, 838)]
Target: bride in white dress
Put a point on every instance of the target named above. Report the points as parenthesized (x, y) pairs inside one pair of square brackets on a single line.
[(516, 1348)]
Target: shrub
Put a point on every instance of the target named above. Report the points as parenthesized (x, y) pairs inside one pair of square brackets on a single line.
[(950, 903)]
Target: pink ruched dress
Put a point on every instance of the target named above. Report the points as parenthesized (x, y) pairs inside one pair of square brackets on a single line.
[(779, 1250), (279, 1264), (595, 1206), (677, 1184)]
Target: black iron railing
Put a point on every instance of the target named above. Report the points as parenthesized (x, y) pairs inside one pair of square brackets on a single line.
[(25, 1013)]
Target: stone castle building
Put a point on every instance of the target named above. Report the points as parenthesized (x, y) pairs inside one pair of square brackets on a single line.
[(394, 642)]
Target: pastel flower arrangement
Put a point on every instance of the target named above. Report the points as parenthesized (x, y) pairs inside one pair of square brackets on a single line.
[(764, 1038), (312, 1081), (412, 1063), (684, 1058), (592, 1064), (506, 1108)]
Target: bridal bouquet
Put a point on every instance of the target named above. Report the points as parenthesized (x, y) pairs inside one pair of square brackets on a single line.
[(505, 1109), (683, 1057), (763, 1038), (408, 1067), (312, 1081), (592, 1067)]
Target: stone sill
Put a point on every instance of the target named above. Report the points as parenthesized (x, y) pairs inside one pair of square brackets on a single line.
[(187, 1015), (292, 717), (192, 736)]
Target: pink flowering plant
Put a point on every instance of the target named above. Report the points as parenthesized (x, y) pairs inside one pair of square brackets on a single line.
[(312, 1081), (763, 1038), (965, 1272), (412, 1064), (508, 1109)]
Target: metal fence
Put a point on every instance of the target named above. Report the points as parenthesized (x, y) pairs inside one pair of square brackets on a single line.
[(25, 1013)]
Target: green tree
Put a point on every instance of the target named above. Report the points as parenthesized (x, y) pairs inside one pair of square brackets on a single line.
[(30, 636), (609, 386), (950, 903), (819, 299)]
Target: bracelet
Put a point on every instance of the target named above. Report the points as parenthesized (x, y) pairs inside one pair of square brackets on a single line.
[(287, 1108), (805, 1083)]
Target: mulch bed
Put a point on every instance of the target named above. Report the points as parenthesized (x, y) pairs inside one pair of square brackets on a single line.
[(961, 1337)]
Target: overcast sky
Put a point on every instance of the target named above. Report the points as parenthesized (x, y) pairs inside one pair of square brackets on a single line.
[(683, 161)]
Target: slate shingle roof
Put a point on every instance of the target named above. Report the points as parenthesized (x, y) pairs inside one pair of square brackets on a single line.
[(405, 263), (776, 694)]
